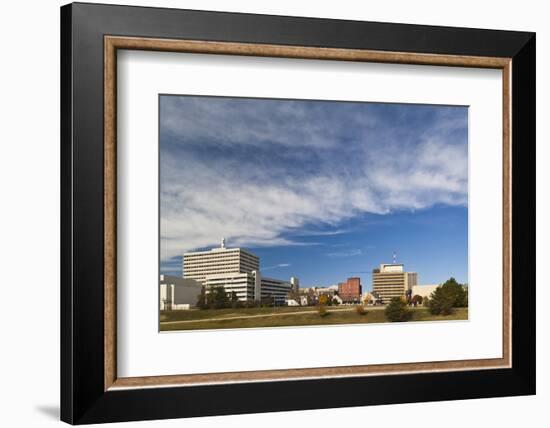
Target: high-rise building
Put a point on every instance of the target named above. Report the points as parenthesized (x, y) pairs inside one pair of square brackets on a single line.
[(350, 291), (390, 280), (200, 264)]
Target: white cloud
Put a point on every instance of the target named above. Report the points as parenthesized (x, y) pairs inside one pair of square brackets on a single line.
[(254, 204), (280, 265), (350, 253)]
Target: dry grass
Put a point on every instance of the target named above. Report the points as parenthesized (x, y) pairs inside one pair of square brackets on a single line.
[(303, 319)]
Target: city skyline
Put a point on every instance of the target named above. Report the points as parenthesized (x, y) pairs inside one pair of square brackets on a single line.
[(318, 190), (366, 256)]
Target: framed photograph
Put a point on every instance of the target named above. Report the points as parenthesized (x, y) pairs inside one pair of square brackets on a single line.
[(266, 213)]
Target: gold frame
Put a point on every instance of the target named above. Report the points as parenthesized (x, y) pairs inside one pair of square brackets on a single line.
[(113, 43)]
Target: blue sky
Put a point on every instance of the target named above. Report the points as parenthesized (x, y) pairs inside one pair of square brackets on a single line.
[(320, 190)]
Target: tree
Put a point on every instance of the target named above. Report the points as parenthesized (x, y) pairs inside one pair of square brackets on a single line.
[(217, 298), (448, 296), (441, 302), (397, 310), (417, 299), (201, 300)]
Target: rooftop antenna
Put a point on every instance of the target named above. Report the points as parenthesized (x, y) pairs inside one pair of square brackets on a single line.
[(394, 258), (222, 243)]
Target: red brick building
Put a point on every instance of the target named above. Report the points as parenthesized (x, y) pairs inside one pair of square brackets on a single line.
[(350, 291)]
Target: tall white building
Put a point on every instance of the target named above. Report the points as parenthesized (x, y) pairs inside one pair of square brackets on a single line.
[(200, 264), (237, 271)]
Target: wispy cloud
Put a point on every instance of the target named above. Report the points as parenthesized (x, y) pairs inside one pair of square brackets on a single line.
[(280, 265), (350, 253), (273, 173)]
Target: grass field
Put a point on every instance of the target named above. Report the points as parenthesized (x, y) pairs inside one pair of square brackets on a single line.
[(208, 319)]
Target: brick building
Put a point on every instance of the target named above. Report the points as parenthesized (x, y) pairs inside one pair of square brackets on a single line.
[(350, 291)]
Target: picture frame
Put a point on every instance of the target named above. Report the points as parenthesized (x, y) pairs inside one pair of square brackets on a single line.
[(91, 35)]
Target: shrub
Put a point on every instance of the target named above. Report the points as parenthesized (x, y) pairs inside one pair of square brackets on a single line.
[(322, 310), (360, 309), (237, 304), (323, 300), (397, 310)]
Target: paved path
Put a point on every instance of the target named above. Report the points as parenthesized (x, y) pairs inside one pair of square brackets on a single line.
[(272, 314)]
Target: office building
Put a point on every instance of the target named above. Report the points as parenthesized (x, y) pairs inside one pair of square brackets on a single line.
[(200, 264), (237, 271), (251, 286), (242, 284), (275, 290), (350, 291), (391, 280)]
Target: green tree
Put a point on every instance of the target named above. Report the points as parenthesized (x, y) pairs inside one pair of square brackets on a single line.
[(217, 298), (448, 296), (397, 310), (201, 300)]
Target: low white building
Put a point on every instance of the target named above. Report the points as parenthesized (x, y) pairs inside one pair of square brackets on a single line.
[(252, 286), (423, 290), (178, 293), (242, 284)]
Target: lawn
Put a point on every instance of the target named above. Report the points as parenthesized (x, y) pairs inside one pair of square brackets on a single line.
[(199, 314), (285, 317)]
